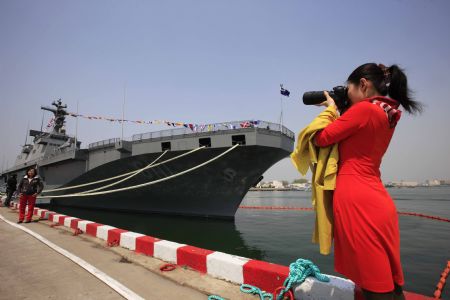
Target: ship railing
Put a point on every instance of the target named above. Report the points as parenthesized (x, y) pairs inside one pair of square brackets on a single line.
[(276, 127), (216, 127), (104, 143)]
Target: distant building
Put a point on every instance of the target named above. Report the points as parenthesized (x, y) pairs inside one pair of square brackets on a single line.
[(264, 184), (409, 183), (277, 184), (433, 182), (300, 186), (273, 185), (395, 183), (402, 184)]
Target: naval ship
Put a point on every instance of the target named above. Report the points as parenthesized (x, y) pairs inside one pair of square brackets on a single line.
[(204, 173)]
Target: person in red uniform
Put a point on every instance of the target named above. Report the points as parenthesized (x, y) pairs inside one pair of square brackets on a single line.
[(29, 187), (366, 231)]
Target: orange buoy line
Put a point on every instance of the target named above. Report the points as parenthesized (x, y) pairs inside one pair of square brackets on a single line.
[(310, 208), (276, 207), (424, 216), (440, 286)]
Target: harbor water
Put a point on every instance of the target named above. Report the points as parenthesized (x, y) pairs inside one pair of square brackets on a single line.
[(283, 236)]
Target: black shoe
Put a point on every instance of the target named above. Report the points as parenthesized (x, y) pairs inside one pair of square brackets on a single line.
[(18, 222), (27, 221)]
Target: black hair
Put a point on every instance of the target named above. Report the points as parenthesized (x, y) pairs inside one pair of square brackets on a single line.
[(390, 81), (32, 168)]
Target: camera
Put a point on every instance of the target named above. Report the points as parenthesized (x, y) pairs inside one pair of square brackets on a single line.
[(339, 95)]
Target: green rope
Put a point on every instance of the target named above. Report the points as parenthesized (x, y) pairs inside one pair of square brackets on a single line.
[(250, 289), (298, 271), (215, 297)]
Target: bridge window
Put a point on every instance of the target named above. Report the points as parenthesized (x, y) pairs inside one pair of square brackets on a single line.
[(238, 139), (205, 142), (166, 146)]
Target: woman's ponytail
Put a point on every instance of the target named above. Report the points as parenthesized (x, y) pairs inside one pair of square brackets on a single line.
[(387, 81), (398, 89)]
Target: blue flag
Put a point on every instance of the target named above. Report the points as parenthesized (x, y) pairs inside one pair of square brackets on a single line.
[(283, 91)]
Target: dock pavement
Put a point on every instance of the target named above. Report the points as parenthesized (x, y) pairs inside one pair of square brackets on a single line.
[(29, 269)]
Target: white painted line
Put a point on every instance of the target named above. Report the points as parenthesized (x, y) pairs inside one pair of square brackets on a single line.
[(111, 282)]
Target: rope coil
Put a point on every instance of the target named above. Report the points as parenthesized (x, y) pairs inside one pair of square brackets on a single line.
[(286, 294), (250, 289), (215, 297), (298, 271), (167, 267)]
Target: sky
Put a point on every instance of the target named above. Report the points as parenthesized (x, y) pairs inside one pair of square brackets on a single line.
[(217, 61)]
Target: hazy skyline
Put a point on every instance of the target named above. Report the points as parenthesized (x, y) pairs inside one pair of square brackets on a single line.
[(211, 61)]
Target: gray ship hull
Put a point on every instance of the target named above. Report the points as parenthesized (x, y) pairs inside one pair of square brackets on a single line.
[(215, 190)]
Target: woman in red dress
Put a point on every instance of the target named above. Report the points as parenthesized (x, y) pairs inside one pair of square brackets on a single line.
[(366, 232)]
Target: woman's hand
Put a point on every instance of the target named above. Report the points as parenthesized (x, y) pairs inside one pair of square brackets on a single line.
[(34, 195), (328, 102)]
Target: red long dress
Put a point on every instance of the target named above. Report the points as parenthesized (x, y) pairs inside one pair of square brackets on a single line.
[(366, 232)]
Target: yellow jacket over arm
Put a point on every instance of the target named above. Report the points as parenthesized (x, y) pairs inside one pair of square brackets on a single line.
[(323, 164)]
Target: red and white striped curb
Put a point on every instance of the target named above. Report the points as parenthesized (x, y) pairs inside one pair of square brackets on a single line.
[(267, 276)]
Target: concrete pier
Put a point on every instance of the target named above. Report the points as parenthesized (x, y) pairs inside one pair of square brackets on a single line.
[(31, 270), (49, 265)]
